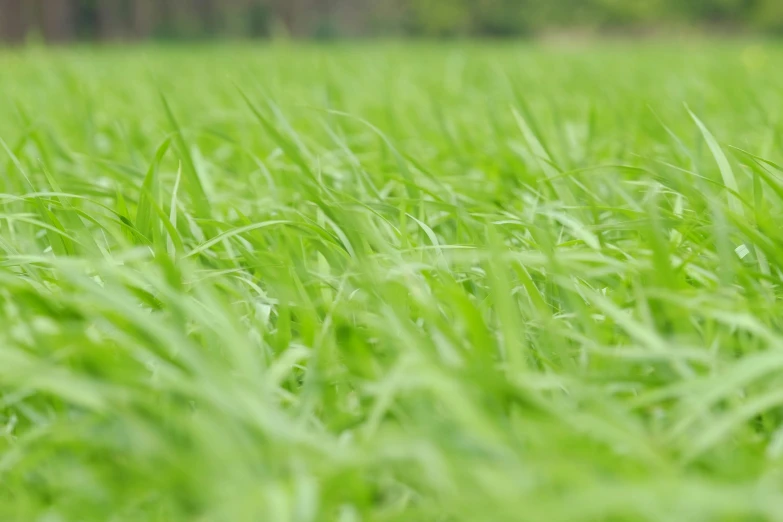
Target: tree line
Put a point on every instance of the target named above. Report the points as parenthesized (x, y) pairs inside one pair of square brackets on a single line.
[(67, 20)]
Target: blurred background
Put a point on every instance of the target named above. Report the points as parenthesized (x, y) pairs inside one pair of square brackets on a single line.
[(75, 20)]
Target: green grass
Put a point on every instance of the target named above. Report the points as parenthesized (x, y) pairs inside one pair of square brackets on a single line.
[(392, 283)]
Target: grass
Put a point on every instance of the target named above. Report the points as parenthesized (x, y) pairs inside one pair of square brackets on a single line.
[(392, 283)]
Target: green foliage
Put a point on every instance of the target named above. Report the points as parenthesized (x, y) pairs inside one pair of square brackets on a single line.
[(329, 19), (769, 16), (390, 282), (520, 17), (441, 17)]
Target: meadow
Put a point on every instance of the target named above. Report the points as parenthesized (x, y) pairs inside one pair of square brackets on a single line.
[(392, 282)]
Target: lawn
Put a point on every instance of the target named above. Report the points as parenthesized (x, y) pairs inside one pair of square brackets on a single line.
[(392, 282)]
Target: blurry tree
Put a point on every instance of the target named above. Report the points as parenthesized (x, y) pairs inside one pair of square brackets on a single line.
[(13, 20), (57, 19), (60, 20), (351, 17), (614, 13), (206, 12), (142, 18), (112, 19), (768, 15), (502, 17), (719, 11), (440, 17), (294, 15)]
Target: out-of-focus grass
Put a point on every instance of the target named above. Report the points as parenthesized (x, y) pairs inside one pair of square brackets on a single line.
[(391, 283)]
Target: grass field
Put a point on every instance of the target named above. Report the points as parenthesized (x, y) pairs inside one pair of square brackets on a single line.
[(418, 282)]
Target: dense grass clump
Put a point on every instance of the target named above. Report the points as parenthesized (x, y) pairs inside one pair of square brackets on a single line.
[(395, 283)]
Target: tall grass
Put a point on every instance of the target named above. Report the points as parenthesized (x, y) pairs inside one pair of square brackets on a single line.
[(391, 283)]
